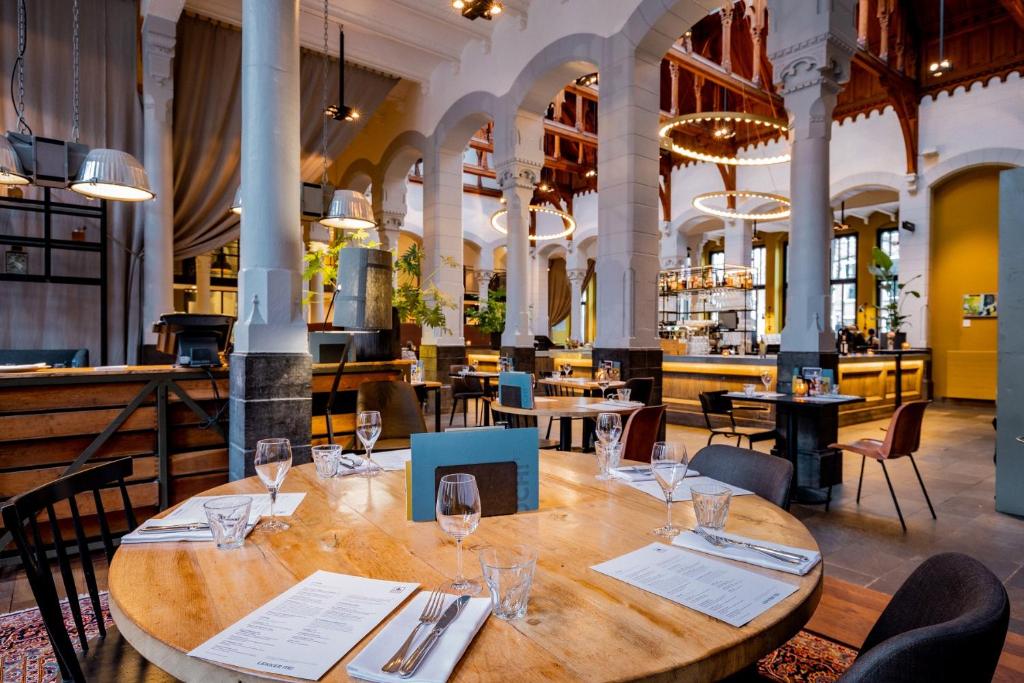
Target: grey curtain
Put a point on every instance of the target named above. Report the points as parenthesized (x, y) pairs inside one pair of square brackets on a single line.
[(54, 316), (207, 127), (559, 292)]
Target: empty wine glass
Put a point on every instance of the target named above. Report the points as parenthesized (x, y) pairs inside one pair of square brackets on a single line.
[(458, 513), (368, 426), (609, 428), (668, 464), (273, 460), (766, 380)]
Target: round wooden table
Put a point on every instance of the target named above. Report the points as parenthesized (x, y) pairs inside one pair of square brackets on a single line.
[(567, 409), (167, 598)]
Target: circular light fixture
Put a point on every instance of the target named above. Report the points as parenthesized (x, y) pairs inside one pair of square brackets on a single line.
[(570, 223), (723, 121), (112, 174), (349, 210), (10, 166), (700, 203)]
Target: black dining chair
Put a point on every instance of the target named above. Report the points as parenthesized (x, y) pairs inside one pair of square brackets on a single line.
[(947, 622), (766, 475), (640, 389), (32, 520), (463, 389), (716, 404)]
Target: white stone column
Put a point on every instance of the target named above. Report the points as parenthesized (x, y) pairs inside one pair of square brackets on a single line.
[(389, 209), (483, 281), (541, 317), (739, 238), (270, 282), (158, 40), (203, 302), (576, 276), (915, 256), (442, 239)]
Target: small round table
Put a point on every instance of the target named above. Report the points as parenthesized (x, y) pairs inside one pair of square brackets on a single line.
[(168, 598), (567, 409)]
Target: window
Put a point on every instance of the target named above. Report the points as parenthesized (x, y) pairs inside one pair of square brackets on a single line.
[(757, 262), (889, 242), (844, 280), (717, 259)]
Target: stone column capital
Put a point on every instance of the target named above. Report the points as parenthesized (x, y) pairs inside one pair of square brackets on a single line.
[(390, 220), (518, 175), (484, 275), (576, 275)]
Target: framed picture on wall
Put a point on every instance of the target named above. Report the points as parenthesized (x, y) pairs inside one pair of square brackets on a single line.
[(980, 305)]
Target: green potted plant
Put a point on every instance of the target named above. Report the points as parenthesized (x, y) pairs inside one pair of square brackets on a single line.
[(490, 317), (886, 272)]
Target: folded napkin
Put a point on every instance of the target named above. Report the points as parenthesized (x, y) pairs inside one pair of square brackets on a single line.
[(192, 512), (682, 492), (388, 460), (642, 473), (440, 662), (689, 539), (616, 404), (169, 536)]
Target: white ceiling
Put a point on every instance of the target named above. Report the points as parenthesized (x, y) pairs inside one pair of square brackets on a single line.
[(405, 38)]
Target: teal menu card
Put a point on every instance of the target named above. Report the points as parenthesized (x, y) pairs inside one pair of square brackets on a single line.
[(515, 389)]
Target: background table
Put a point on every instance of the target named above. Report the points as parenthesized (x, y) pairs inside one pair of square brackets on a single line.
[(567, 409), (167, 598), (588, 387)]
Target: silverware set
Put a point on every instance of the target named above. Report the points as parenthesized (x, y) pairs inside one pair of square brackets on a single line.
[(174, 528), (774, 553), (405, 663)]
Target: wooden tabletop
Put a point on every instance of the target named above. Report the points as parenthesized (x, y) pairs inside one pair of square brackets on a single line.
[(167, 598), (429, 384), (580, 383), (565, 406)]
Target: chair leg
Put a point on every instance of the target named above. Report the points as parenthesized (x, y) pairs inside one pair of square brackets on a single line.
[(923, 489), (551, 421), (860, 481), (892, 492), (710, 437), (455, 403), (828, 499), (465, 412)]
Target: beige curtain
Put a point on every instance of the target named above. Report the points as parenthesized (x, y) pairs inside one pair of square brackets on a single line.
[(559, 292), (207, 127), (51, 315)]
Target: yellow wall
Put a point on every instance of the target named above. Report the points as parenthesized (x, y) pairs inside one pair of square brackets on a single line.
[(964, 260)]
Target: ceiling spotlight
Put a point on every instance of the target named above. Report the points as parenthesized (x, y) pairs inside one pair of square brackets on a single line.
[(724, 133), (495, 9), (478, 9), (544, 187), (938, 68), (588, 80), (592, 173), (458, 4)]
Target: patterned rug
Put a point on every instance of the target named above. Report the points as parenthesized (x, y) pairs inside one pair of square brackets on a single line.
[(26, 656), (807, 658), (25, 652)]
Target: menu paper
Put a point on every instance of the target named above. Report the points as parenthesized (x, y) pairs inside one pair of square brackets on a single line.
[(304, 631), (720, 590)]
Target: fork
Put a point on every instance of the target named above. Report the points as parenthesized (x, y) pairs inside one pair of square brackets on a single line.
[(431, 613), (721, 541)]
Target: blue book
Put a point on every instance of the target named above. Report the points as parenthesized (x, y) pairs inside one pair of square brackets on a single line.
[(515, 389), (506, 448)]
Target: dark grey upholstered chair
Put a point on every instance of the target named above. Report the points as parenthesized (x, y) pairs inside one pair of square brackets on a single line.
[(640, 389), (947, 622), (766, 475)]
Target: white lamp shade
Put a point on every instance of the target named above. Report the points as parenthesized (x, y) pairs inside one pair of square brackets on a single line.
[(113, 174), (349, 210), (236, 206), (10, 166)]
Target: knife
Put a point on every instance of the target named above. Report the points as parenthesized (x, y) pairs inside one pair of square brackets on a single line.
[(413, 661), (194, 526)]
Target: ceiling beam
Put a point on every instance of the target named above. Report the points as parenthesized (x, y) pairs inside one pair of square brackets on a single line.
[(1015, 9)]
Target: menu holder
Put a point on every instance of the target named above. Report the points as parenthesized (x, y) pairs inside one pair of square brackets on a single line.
[(515, 389), (505, 462)]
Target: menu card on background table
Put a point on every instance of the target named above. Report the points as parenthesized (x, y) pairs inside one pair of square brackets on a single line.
[(304, 631), (720, 590)]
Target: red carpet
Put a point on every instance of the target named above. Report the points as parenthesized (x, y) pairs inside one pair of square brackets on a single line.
[(807, 658)]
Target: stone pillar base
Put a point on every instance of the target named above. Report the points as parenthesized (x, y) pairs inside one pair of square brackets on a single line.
[(271, 397), (817, 465), (523, 360), (438, 359)]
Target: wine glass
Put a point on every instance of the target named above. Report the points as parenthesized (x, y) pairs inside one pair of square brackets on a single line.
[(766, 380), (273, 460), (458, 513), (368, 426), (668, 464), (609, 428)]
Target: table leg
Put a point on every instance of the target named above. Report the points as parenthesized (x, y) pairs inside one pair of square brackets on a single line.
[(800, 494), (487, 404), (437, 409), (589, 428), (899, 379), (565, 433)]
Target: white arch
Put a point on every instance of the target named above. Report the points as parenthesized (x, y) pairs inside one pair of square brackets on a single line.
[(988, 156), (551, 69)]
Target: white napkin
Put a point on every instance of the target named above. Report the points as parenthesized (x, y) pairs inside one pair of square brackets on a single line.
[(167, 537), (615, 404), (388, 460), (689, 539), (641, 473), (192, 512), (439, 663), (682, 492)]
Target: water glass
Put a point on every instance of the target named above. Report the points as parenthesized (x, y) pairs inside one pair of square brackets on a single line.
[(326, 460), (508, 573), (668, 465), (368, 428), (458, 514), (623, 395), (711, 505), (272, 461), (609, 427), (608, 457), (228, 517), (749, 389)]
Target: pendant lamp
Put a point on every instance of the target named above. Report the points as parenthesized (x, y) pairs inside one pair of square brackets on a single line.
[(349, 210), (10, 167), (112, 174)]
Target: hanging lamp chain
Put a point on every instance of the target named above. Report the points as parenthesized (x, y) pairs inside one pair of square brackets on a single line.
[(74, 71), (323, 101), (23, 126)]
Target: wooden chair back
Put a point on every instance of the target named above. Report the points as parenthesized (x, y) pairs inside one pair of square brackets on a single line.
[(462, 386), (640, 433), (903, 436), (399, 408), (24, 518)]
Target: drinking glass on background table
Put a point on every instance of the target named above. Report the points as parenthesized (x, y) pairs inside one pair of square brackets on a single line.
[(228, 517), (608, 428), (508, 573), (273, 460), (623, 394), (668, 465), (326, 460), (766, 380), (609, 455), (368, 426), (749, 389), (458, 513), (711, 505)]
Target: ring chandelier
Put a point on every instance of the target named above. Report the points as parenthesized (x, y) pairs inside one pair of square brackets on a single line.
[(570, 222), (719, 118), (700, 203)]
